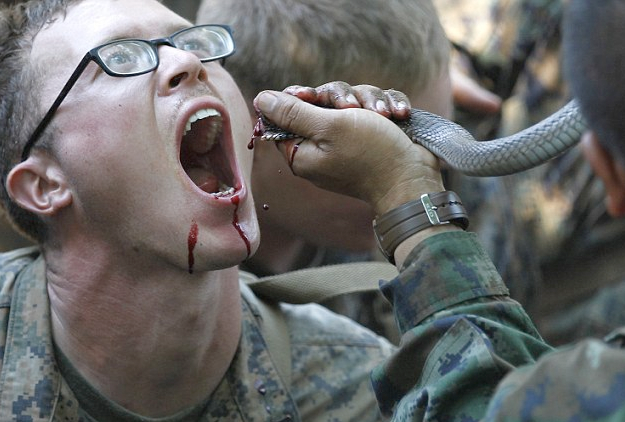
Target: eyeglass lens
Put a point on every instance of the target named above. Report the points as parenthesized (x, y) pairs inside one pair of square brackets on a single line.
[(128, 57), (207, 43)]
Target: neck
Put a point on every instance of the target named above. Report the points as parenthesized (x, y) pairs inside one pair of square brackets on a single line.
[(156, 341)]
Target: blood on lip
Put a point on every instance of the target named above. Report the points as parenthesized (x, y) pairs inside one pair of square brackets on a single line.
[(192, 237)]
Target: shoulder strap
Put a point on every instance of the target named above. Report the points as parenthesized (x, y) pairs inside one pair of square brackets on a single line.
[(274, 328), (314, 285), (306, 286)]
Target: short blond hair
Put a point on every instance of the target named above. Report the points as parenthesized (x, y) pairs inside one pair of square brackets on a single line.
[(310, 42)]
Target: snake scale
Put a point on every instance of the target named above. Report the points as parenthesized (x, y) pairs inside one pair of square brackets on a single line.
[(457, 147)]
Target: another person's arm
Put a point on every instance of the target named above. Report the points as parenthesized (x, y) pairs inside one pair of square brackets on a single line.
[(462, 334)]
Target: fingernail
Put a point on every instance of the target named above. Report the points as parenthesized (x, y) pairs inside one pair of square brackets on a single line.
[(381, 106), (267, 101), (351, 98), (402, 105)]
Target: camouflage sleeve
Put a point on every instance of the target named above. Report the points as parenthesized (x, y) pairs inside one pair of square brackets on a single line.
[(461, 333), (585, 382)]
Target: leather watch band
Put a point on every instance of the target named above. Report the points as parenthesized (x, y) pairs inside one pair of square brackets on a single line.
[(402, 222)]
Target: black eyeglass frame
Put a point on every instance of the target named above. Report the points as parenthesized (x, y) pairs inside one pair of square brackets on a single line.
[(92, 55)]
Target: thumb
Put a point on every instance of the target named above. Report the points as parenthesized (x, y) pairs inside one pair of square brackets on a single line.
[(290, 113)]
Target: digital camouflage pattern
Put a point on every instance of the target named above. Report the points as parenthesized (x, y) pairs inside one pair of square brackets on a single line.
[(331, 356), (470, 353)]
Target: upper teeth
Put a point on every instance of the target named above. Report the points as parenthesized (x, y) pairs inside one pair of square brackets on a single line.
[(199, 115)]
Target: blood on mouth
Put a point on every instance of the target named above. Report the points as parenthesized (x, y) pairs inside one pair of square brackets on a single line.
[(193, 234), (206, 163)]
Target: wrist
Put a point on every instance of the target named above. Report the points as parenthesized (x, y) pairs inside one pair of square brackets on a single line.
[(431, 210), (404, 193)]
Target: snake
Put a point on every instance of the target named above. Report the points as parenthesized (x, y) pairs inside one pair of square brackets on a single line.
[(453, 144)]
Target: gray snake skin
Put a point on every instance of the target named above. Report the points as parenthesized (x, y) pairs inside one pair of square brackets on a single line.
[(457, 147)]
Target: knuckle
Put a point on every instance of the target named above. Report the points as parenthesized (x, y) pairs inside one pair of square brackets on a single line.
[(339, 85), (395, 94)]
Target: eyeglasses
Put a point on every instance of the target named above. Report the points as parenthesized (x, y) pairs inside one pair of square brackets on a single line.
[(133, 57)]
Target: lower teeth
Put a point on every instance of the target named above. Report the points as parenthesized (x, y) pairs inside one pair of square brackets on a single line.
[(226, 192)]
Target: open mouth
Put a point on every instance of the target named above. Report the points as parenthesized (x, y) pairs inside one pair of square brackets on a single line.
[(203, 156)]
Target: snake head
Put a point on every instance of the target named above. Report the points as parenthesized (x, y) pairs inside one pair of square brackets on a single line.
[(264, 130)]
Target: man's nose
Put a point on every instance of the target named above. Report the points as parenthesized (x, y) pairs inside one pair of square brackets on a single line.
[(178, 67)]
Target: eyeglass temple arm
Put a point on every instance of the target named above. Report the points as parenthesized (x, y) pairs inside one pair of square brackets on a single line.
[(59, 99)]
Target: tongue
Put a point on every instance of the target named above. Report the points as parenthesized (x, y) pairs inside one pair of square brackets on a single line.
[(204, 179)]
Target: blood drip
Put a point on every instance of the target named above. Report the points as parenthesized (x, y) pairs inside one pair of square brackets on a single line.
[(292, 157), (259, 129), (237, 226), (191, 242)]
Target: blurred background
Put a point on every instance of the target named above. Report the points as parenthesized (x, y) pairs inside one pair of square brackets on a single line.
[(186, 8)]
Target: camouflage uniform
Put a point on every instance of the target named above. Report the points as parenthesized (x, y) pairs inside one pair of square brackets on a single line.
[(463, 339), (331, 357)]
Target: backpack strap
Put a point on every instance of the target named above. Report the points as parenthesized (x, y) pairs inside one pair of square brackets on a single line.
[(315, 285), (310, 285), (273, 326)]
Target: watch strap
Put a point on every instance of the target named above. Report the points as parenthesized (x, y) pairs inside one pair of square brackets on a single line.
[(431, 209)]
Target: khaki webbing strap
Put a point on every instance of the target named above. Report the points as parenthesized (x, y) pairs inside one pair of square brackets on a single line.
[(278, 339), (315, 285), (274, 329), (306, 286)]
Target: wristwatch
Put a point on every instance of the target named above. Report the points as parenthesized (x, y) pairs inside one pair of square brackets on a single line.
[(432, 209)]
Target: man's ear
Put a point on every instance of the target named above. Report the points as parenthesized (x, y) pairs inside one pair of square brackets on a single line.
[(38, 185), (609, 169)]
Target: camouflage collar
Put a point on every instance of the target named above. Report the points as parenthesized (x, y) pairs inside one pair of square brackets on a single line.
[(30, 381), (32, 388)]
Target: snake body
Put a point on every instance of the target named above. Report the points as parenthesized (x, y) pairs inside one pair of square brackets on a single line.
[(456, 146)]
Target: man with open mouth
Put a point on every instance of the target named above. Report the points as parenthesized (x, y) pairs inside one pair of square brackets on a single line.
[(125, 157)]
